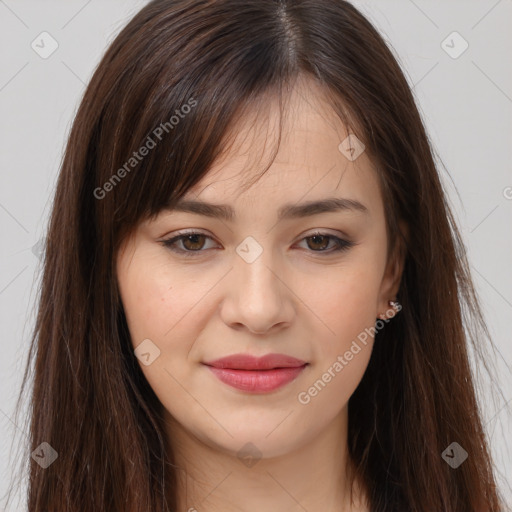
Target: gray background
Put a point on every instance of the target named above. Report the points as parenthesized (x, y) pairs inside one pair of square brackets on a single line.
[(466, 104)]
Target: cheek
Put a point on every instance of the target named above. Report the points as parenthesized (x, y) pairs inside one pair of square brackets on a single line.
[(345, 304), (166, 307), (159, 307), (157, 300), (341, 356), (344, 339)]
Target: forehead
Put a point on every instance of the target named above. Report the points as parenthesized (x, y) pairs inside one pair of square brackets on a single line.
[(313, 158)]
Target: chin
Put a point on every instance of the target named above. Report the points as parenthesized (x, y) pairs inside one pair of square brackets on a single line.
[(267, 437)]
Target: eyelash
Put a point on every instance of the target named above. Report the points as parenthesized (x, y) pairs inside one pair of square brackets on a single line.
[(342, 245)]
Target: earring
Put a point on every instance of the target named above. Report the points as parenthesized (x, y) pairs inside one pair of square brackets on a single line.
[(395, 305), (390, 313)]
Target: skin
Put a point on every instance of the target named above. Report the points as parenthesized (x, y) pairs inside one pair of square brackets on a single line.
[(293, 299)]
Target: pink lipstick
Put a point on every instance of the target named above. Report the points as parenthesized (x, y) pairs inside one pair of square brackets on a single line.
[(257, 374)]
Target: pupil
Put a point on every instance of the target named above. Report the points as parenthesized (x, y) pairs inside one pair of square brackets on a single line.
[(193, 239), (316, 237)]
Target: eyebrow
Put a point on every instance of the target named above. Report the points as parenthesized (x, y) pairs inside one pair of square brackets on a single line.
[(287, 211)]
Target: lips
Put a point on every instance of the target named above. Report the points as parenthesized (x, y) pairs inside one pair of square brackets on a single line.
[(247, 362), (257, 375)]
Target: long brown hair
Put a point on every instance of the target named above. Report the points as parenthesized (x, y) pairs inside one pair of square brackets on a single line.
[(90, 400)]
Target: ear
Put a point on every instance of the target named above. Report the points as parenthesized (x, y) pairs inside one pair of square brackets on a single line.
[(391, 279)]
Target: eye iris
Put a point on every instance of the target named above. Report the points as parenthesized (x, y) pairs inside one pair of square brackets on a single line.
[(193, 238), (316, 237)]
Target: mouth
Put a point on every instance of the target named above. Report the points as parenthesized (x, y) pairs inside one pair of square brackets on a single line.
[(257, 375)]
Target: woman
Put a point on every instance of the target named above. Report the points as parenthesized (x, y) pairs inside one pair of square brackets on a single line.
[(254, 290)]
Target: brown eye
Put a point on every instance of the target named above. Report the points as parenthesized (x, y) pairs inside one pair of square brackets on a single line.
[(188, 244), (319, 242), (193, 242)]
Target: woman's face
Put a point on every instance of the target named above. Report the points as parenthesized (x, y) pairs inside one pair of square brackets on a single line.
[(260, 282)]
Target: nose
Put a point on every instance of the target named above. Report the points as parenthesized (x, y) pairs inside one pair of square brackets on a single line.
[(257, 296)]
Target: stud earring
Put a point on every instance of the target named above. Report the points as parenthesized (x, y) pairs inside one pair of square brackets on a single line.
[(396, 307)]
